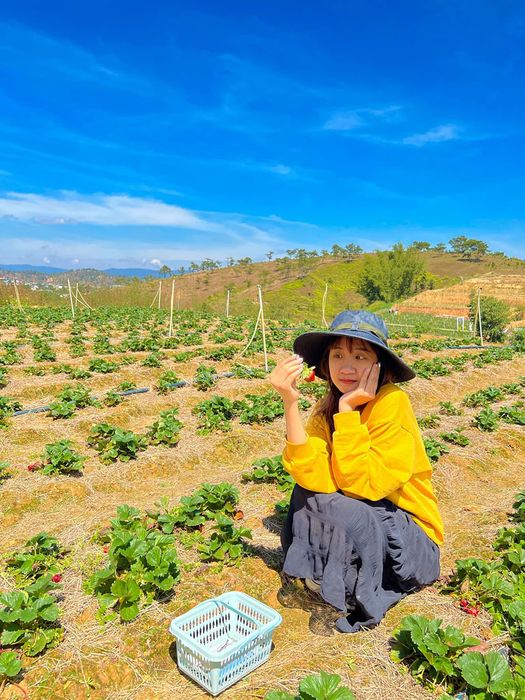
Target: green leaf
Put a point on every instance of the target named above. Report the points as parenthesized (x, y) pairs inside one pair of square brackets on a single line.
[(499, 672), (473, 669), (10, 665), (324, 686), (129, 611), (278, 695), (11, 637), (50, 613), (36, 643)]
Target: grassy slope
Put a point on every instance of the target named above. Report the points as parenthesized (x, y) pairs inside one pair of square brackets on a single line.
[(291, 290)]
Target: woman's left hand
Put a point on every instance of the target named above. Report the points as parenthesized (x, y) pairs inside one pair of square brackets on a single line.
[(364, 392)]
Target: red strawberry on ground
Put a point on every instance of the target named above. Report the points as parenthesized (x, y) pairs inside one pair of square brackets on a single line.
[(105, 548), (468, 608), (56, 578)]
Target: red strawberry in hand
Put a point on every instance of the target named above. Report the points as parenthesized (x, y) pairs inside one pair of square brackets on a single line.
[(308, 374)]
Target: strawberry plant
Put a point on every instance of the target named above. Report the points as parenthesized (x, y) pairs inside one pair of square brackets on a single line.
[(511, 388), (103, 366), (80, 373), (445, 657), (484, 396), (187, 515), (7, 407), (429, 368), (430, 650), (265, 408), (114, 444), (205, 378), (100, 435), (154, 359), (434, 448), (514, 414), (226, 352), (217, 498), (244, 372), (518, 507), (60, 458), (165, 431), (10, 356), (430, 421), (270, 470), (319, 686), (112, 398), (226, 542), (143, 566), (448, 408), (35, 371), (3, 378), (41, 555), (5, 474), (498, 586), (167, 382), (28, 617), (457, 363), (102, 346), (215, 414), (315, 389), (42, 351), (62, 368), (455, 437), (434, 344), (194, 510), (69, 399), (126, 386), (486, 420)]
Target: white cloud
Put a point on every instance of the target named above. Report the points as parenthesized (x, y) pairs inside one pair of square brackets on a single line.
[(155, 261), (46, 260), (100, 209), (355, 118), (280, 169), (445, 132), (75, 261), (343, 121)]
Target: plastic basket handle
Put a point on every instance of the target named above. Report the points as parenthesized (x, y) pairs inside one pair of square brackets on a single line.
[(238, 612)]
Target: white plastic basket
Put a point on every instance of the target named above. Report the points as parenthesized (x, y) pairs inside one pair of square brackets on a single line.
[(222, 639)]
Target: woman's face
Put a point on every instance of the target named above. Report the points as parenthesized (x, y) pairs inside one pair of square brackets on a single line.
[(347, 360)]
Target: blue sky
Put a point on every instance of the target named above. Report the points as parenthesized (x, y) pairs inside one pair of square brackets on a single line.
[(136, 134)]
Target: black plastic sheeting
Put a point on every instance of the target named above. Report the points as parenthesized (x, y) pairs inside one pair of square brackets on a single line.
[(175, 385)]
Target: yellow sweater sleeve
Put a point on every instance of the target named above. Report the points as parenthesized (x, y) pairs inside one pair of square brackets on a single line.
[(373, 459), (309, 463)]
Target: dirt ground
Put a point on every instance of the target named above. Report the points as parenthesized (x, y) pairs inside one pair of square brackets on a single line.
[(136, 661)]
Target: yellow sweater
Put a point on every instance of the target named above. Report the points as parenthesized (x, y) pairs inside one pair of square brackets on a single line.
[(375, 454)]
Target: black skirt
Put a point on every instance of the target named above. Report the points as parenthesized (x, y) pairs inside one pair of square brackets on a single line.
[(366, 555)]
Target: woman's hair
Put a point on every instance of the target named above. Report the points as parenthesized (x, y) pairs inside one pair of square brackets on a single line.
[(329, 404)]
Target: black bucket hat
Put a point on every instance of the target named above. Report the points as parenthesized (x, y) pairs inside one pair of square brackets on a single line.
[(351, 324)]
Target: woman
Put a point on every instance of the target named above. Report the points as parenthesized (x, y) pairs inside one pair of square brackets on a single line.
[(363, 526)]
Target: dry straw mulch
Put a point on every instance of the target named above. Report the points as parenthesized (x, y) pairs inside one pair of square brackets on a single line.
[(136, 661)]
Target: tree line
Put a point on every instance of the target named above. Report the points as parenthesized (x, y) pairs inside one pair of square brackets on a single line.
[(466, 248)]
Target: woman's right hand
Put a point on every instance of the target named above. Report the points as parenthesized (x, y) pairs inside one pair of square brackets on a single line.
[(284, 376)]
